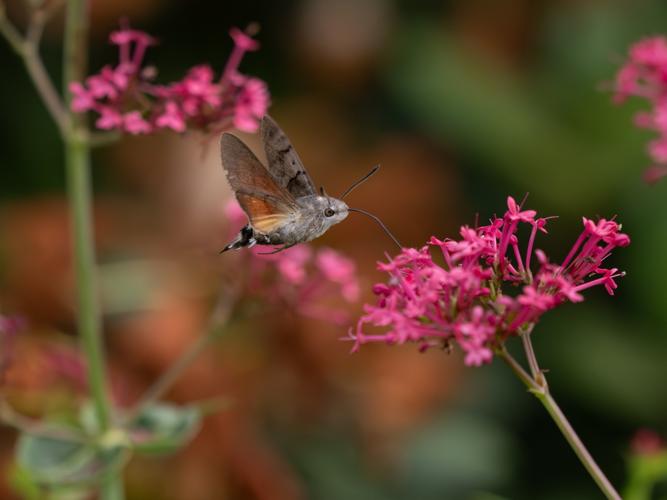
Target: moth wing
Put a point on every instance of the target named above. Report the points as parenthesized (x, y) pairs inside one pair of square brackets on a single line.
[(266, 203), (284, 163), (266, 214)]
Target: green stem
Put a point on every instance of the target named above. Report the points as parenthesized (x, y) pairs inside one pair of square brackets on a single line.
[(79, 187), (542, 393), (77, 158), (27, 48)]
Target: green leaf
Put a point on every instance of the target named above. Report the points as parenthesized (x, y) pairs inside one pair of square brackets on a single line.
[(164, 428), (58, 461)]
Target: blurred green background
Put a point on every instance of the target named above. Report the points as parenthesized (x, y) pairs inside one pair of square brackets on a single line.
[(463, 103)]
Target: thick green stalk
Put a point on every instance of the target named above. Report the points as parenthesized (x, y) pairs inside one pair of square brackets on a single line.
[(77, 159), (79, 187)]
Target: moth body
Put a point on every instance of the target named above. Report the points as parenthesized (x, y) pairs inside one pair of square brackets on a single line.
[(280, 200)]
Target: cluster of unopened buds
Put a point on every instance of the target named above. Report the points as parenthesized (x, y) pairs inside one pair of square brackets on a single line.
[(485, 290), (644, 75), (307, 280), (126, 99)]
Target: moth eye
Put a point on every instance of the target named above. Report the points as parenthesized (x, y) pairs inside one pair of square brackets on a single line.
[(329, 212)]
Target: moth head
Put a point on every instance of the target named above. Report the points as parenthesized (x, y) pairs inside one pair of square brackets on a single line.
[(335, 210)]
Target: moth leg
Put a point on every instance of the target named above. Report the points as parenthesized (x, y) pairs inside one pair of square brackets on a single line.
[(279, 249)]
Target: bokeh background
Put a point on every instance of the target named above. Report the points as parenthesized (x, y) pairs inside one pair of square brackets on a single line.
[(463, 103)]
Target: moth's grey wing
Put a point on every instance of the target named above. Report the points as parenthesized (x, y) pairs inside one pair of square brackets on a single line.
[(266, 203), (284, 163)]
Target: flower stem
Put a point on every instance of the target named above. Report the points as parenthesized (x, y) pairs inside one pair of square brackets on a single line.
[(77, 157), (542, 393), (79, 187), (27, 48), (535, 370)]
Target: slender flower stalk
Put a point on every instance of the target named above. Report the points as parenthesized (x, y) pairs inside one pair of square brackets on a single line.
[(539, 388), (27, 48), (79, 187)]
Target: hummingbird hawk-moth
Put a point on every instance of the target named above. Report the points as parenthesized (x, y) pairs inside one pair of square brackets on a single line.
[(280, 200)]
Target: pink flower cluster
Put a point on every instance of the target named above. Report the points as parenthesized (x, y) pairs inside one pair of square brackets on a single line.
[(644, 75), (466, 300), (125, 98), (306, 280)]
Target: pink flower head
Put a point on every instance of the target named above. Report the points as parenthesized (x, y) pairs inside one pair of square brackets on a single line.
[(341, 270), (109, 118), (464, 302), (650, 52), (291, 263), (644, 75), (654, 173), (171, 118), (235, 214), (126, 98), (302, 279), (243, 41), (647, 442), (82, 99), (134, 123), (251, 105)]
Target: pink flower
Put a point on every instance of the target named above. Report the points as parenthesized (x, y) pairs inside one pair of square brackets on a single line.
[(251, 105), (243, 41), (463, 302), (171, 118), (235, 214), (126, 99), (301, 279), (341, 270), (654, 173), (82, 99), (647, 442), (650, 51), (135, 124), (291, 263), (242, 44), (109, 118), (644, 75)]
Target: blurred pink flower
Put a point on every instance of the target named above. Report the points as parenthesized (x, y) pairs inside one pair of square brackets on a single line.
[(644, 75), (647, 442), (303, 279), (291, 263), (463, 301), (126, 99), (340, 270), (251, 104)]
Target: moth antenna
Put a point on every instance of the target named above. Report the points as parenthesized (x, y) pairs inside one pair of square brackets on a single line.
[(322, 191), (380, 223), (360, 181)]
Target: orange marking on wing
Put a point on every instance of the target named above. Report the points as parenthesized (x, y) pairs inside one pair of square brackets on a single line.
[(264, 215)]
